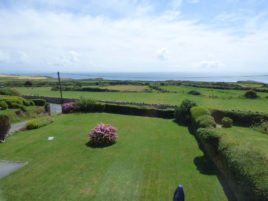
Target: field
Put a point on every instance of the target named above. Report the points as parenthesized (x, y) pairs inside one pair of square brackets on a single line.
[(152, 156), (222, 101), (22, 77), (133, 88)]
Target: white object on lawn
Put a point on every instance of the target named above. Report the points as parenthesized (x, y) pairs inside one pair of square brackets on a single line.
[(50, 138)]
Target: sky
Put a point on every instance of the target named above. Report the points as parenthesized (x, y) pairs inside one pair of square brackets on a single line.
[(219, 36)]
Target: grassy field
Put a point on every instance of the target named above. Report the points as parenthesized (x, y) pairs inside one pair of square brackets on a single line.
[(22, 77), (211, 93), (133, 88), (152, 156), (238, 103)]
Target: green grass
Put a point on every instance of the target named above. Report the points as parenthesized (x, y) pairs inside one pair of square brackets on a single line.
[(133, 88), (152, 156), (212, 93), (238, 103)]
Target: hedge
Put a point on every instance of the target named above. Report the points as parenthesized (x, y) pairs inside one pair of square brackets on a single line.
[(9, 92), (246, 181), (4, 126), (39, 102), (240, 118), (38, 123), (3, 105)]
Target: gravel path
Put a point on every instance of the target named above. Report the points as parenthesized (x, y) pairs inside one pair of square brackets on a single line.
[(16, 127), (7, 167)]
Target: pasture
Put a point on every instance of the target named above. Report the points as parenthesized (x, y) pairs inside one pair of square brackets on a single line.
[(220, 100)]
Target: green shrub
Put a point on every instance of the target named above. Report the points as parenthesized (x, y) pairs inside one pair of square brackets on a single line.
[(12, 99), (4, 126), (15, 105), (194, 92), (262, 127), (39, 102), (88, 105), (251, 94), (227, 122), (9, 92), (198, 111), (182, 113), (28, 102), (205, 121), (38, 123), (3, 105)]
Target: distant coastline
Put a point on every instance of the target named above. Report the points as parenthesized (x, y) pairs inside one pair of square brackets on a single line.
[(153, 76)]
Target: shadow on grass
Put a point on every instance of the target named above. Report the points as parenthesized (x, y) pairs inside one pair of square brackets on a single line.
[(205, 165), (96, 146)]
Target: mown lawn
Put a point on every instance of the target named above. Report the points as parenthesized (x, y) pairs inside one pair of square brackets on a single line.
[(152, 156), (222, 102)]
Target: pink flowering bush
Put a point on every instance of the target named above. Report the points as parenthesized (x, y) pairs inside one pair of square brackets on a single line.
[(68, 107), (102, 135)]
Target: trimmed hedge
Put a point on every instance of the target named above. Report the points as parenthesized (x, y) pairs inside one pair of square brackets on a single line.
[(38, 123), (3, 105), (9, 92), (227, 122), (140, 111), (4, 126), (240, 118), (228, 155), (201, 118), (39, 102)]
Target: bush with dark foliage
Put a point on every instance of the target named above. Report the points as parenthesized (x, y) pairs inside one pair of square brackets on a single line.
[(4, 126), (182, 113), (3, 105), (39, 102), (227, 122), (251, 94), (194, 92)]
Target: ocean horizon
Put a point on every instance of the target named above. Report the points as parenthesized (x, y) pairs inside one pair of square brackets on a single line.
[(162, 76)]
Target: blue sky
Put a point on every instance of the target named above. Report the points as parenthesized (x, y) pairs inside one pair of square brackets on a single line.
[(134, 35)]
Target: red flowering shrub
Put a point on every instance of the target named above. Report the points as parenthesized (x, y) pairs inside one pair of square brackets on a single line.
[(102, 135), (68, 107)]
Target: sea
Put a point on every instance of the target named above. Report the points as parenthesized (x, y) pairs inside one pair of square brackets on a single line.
[(163, 76)]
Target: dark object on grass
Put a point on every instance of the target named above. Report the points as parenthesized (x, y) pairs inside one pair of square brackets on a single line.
[(179, 194), (4, 126), (194, 92), (251, 94)]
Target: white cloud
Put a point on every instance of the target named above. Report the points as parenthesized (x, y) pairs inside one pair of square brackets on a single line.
[(162, 53), (87, 43)]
